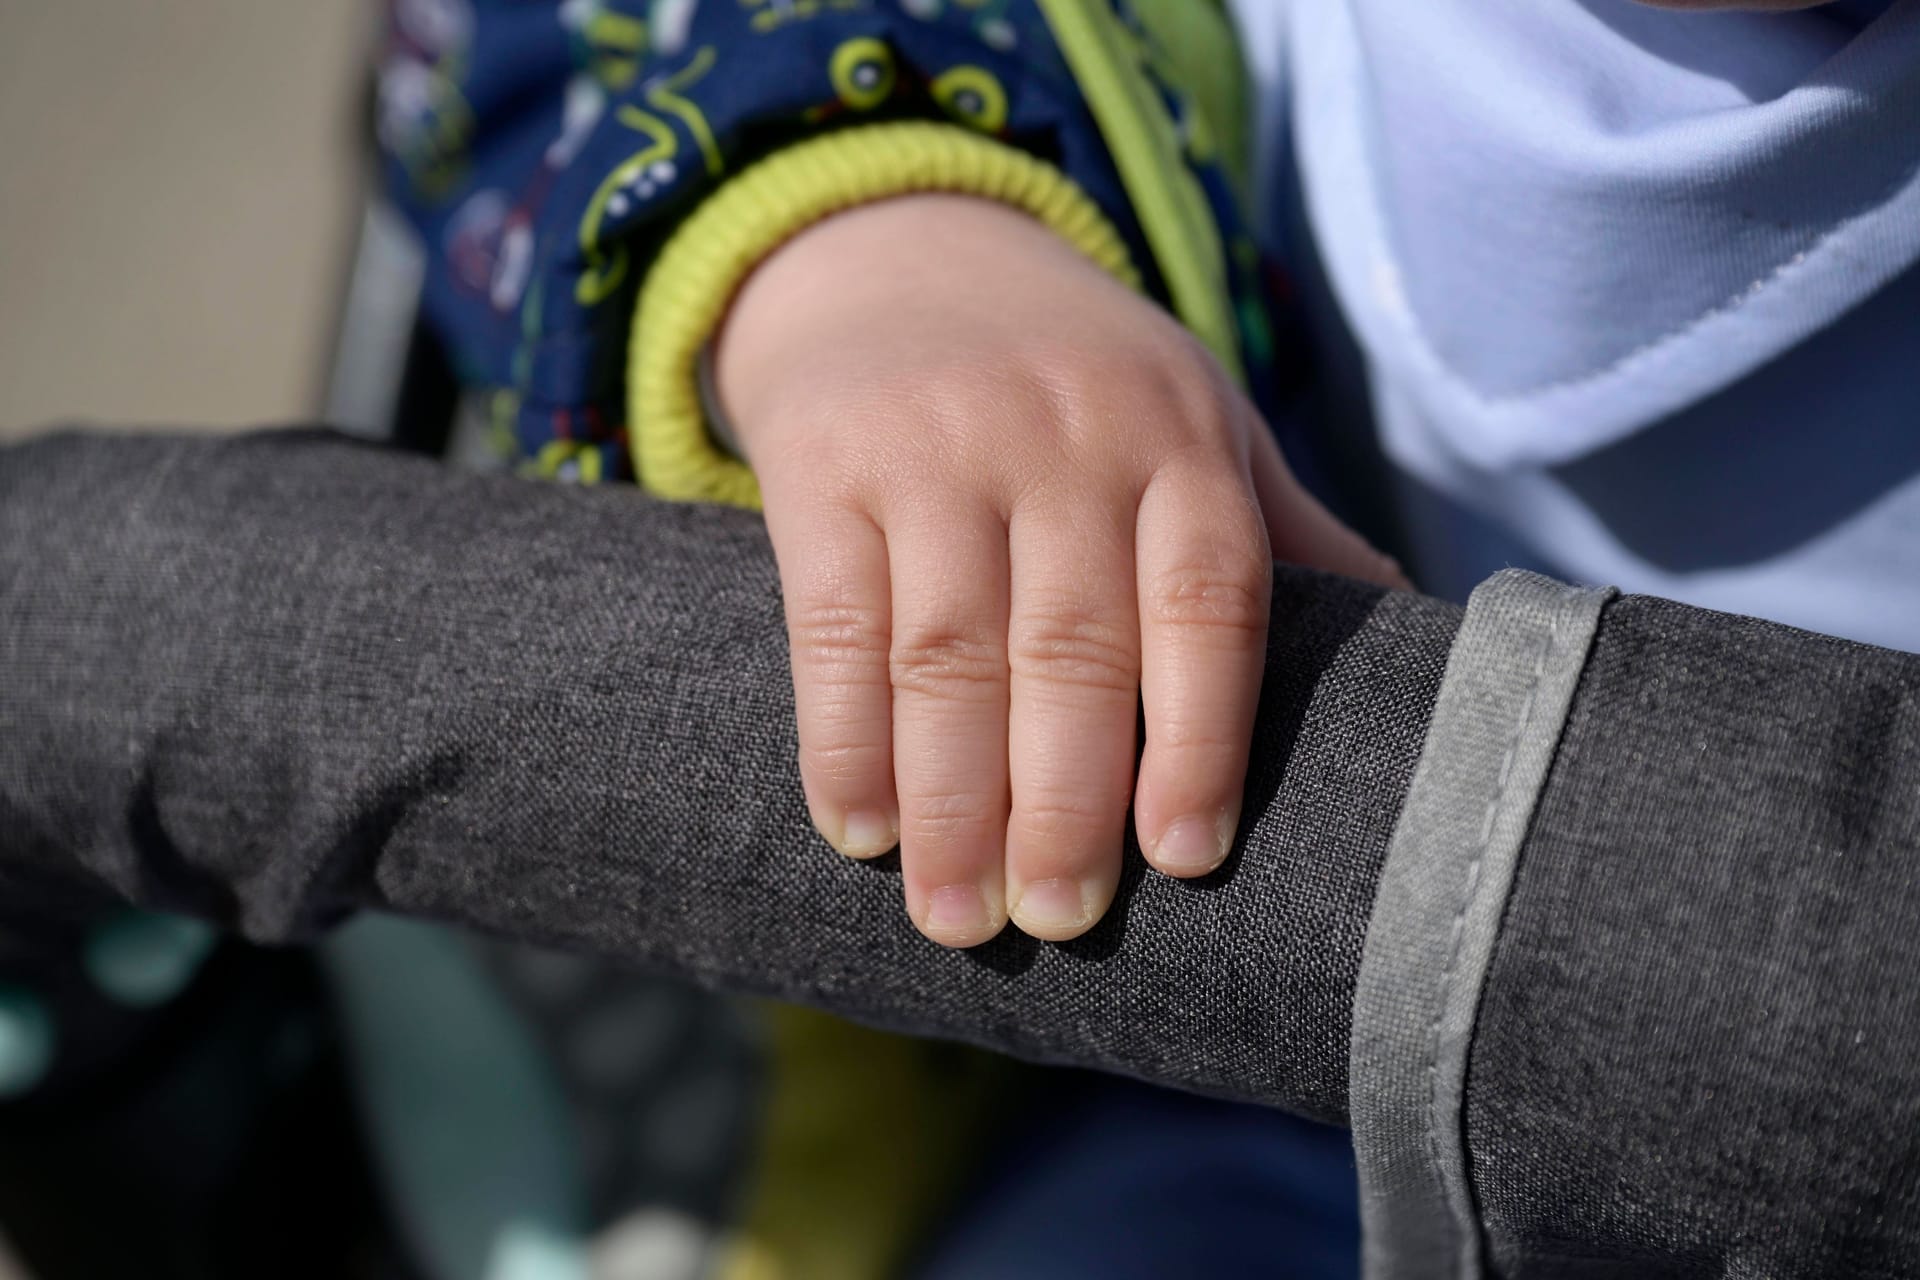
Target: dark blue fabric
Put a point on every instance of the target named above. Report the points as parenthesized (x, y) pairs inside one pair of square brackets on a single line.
[(1117, 1179), (501, 121), (1860, 12)]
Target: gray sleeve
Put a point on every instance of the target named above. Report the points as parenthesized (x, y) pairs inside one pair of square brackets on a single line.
[(1698, 1051), (1640, 995), (1673, 1030), (275, 679), (1437, 915)]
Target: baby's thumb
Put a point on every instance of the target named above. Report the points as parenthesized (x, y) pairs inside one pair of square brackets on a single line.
[(1305, 533)]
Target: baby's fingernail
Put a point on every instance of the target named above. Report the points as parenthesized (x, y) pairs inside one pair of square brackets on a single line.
[(1052, 906), (958, 912), (1194, 845), (867, 833)]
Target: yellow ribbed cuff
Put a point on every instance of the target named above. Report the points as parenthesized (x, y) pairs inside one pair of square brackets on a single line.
[(692, 281)]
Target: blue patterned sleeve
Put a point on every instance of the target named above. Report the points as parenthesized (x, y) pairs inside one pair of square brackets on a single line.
[(544, 150)]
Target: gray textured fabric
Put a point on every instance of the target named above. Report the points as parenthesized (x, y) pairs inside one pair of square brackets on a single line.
[(275, 679), (1441, 898), (1699, 1047)]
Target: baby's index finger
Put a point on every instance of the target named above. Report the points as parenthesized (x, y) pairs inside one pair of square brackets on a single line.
[(833, 570), (1205, 584)]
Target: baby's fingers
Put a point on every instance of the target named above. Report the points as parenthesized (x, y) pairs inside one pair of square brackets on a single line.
[(949, 667), (834, 580), (1074, 650), (1205, 583)]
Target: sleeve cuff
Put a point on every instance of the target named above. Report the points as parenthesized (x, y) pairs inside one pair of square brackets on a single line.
[(1507, 691), (692, 281)]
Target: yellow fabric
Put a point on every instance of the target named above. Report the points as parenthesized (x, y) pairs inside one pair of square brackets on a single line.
[(693, 280), (863, 1137), (1199, 56), (1107, 61)]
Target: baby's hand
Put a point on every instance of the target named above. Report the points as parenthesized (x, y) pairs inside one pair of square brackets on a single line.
[(1010, 500)]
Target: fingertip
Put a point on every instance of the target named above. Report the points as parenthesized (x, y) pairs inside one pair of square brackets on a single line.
[(960, 916), (868, 833), (1061, 908), (1191, 845), (855, 832)]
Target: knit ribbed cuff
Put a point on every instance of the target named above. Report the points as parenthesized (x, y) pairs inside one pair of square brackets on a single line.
[(693, 280)]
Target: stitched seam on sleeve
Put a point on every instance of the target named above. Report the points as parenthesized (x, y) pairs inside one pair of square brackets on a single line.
[(1438, 916), (1473, 882)]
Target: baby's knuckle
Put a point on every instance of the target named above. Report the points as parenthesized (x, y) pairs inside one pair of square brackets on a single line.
[(1076, 650), (837, 634), (1056, 815), (944, 402), (847, 710), (1180, 391), (1187, 379), (947, 664), (948, 817), (844, 763), (1063, 374), (1213, 597), (1193, 743)]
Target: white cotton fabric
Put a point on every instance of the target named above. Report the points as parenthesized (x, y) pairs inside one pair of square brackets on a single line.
[(1638, 285)]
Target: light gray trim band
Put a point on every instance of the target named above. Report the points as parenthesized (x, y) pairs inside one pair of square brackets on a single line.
[(1509, 682)]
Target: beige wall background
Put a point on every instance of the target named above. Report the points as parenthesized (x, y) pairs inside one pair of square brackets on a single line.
[(179, 182)]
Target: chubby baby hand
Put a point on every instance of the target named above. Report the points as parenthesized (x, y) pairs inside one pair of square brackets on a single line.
[(1013, 503)]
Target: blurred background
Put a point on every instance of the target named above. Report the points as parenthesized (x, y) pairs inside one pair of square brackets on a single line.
[(176, 218), (175, 222)]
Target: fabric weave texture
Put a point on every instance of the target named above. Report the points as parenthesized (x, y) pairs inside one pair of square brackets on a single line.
[(273, 680), (276, 679), (1698, 1053)]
